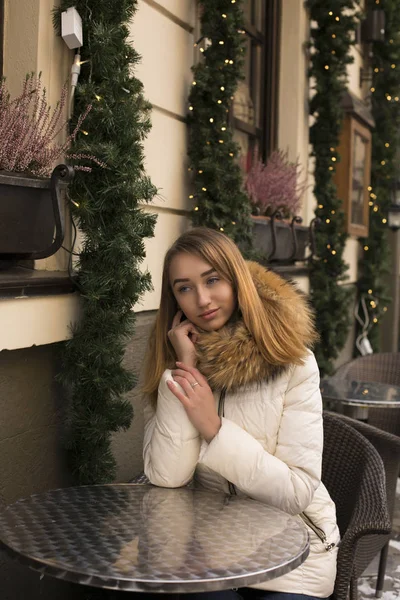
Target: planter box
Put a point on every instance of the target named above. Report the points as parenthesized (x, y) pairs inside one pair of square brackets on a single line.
[(286, 251), (31, 220)]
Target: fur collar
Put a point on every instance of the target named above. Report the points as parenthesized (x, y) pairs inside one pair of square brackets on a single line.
[(230, 358)]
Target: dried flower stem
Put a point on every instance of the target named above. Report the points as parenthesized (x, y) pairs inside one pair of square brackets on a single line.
[(276, 185), (28, 128)]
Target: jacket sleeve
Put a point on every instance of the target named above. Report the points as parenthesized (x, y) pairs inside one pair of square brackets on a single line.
[(288, 478), (171, 443)]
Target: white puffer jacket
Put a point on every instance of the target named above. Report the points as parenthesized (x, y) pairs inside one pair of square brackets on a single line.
[(270, 442)]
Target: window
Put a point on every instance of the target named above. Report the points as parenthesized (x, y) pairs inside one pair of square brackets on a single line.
[(353, 174), (255, 107)]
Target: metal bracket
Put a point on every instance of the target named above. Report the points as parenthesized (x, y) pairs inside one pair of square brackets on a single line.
[(313, 224), (276, 215), (64, 173), (295, 220)]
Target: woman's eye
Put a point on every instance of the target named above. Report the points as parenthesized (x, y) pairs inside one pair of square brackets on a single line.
[(213, 280), (184, 288)]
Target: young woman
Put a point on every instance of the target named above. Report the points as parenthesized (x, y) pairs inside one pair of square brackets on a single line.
[(233, 395)]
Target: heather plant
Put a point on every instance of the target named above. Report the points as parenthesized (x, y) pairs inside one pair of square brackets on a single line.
[(276, 185), (29, 129)]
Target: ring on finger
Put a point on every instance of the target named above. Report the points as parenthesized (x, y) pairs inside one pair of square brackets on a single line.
[(194, 384)]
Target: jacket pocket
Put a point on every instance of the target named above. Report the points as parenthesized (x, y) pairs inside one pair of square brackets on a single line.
[(329, 546)]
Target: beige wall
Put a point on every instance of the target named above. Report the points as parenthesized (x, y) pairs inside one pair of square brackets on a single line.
[(167, 56), (164, 32), (293, 123), (31, 44)]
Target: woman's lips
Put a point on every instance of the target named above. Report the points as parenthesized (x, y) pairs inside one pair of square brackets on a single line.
[(209, 315)]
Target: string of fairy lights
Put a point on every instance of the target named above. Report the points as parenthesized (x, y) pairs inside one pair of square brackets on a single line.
[(333, 27), (218, 199), (385, 105)]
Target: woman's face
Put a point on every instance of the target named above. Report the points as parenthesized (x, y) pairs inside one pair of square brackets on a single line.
[(207, 300)]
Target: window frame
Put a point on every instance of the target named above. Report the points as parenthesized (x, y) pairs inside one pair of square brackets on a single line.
[(344, 173), (269, 39)]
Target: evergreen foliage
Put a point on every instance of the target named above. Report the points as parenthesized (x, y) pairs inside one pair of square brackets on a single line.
[(333, 26), (220, 202), (105, 203), (385, 101)]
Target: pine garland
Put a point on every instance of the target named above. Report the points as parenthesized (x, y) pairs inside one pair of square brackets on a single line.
[(105, 203), (333, 27), (220, 202), (385, 100)]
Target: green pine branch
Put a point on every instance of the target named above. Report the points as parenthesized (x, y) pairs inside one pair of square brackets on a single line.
[(106, 204), (332, 34), (218, 197), (385, 102)]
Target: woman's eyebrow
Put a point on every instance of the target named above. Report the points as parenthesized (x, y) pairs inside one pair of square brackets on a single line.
[(202, 275)]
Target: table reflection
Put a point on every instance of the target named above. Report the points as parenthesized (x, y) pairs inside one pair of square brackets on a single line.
[(147, 538)]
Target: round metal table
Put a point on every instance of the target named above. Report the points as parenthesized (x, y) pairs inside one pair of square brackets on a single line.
[(357, 396), (150, 539)]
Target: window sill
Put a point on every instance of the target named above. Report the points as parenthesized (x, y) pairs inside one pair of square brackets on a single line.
[(290, 270), (22, 281)]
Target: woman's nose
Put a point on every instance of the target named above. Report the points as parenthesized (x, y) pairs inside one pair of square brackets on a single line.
[(203, 298)]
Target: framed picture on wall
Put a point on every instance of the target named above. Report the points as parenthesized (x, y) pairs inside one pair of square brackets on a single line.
[(353, 175)]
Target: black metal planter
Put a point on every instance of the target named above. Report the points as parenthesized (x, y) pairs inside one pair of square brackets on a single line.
[(31, 220), (280, 242)]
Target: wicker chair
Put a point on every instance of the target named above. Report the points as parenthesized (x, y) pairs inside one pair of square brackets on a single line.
[(388, 446), (354, 475), (379, 368)]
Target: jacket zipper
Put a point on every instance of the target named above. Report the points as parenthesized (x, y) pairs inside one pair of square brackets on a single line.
[(221, 413), (318, 532), (232, 490)]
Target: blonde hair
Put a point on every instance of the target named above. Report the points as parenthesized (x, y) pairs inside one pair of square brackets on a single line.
[(274, 343)]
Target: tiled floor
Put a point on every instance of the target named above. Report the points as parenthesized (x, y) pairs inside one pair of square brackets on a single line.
[(366, 586)]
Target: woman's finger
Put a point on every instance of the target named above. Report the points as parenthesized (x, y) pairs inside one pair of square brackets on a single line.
[(181, 397), (176, 320), (181, 373), (185, 385), (194, 372), (194, 333)]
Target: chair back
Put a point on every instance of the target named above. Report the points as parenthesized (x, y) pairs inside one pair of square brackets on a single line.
[(354, 476), (383, 367), (379, 368)]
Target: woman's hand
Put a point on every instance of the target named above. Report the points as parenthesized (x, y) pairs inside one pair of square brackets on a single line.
[(183, 336), (197, 400)]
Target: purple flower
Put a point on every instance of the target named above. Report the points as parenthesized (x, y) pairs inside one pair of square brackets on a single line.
[(28, 128), (276, 185)]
